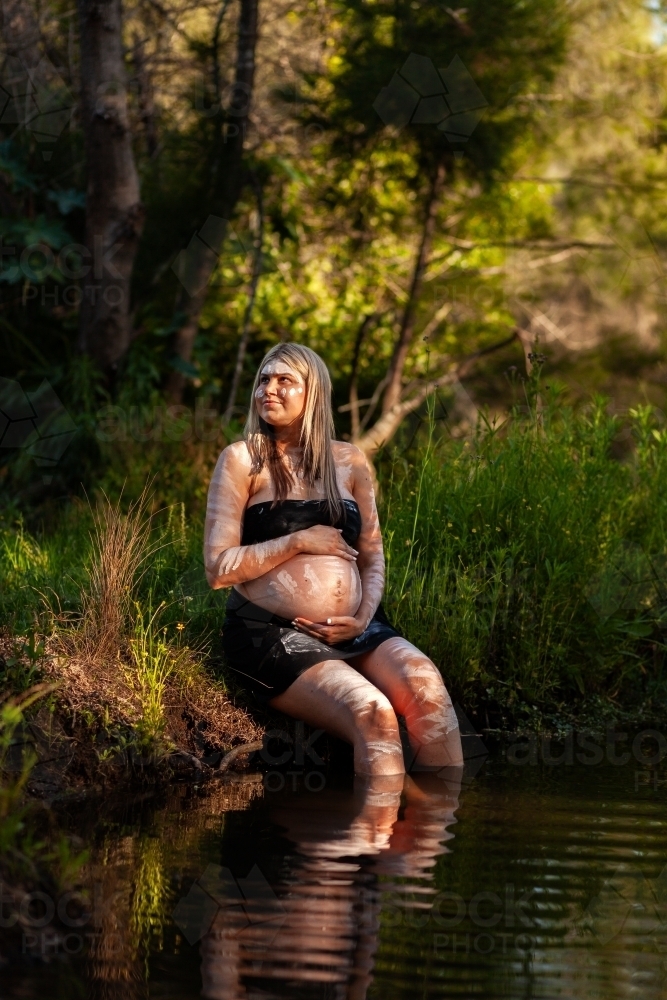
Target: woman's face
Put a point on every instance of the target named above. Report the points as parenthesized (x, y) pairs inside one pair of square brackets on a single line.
[(281, 394)]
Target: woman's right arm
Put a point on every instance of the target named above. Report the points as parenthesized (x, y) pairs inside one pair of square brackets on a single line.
[(226, 561)]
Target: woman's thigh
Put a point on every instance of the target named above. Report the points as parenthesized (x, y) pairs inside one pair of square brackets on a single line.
[(331, 695), (335, 697), (403, 673)]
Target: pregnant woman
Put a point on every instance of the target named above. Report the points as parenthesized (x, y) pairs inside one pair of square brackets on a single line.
[(292, 527)]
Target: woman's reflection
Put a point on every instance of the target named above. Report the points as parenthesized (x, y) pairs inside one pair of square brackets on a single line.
[(317, 934)]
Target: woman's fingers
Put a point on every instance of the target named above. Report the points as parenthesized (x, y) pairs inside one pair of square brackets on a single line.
[(304, 624), (334, 630), (325, 540)]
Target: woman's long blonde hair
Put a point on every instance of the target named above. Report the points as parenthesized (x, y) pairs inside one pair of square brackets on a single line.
[(317, 429)]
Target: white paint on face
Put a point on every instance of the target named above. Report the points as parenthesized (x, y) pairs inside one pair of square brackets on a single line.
[(280, 368), (296, 390), (259, 392)]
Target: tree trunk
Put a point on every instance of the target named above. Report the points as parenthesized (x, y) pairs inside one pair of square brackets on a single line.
[(353, 393), (145, 95), (395, 372), (245, 332), (114, 213), (388, 423), (227, 178)]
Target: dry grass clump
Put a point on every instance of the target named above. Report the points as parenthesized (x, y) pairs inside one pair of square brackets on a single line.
[(116, 667), (121, 545)]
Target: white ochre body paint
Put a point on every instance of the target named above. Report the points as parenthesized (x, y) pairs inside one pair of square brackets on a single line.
[(288, 580), (308, 586)]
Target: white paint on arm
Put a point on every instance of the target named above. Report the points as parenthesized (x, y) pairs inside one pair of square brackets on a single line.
[(369, 543), (226, 561)]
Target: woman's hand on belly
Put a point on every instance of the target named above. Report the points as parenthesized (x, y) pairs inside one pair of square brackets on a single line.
[(311, 587), (333, 630)]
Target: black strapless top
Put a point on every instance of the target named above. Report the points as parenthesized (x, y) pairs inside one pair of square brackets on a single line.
[(262, 521)]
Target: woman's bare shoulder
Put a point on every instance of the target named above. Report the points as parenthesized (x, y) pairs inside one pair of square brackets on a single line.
[(235, 459), (345, 452), (237, 452)]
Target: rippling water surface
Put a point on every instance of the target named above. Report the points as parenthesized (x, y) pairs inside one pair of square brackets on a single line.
[(522, 880)]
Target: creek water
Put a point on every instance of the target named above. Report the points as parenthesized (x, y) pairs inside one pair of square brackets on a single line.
[(525, 878)]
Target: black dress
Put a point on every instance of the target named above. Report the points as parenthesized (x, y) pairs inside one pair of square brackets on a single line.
[(265, 651)]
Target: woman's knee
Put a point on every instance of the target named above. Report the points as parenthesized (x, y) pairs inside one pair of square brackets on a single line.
[(425, 688), (377, 716), (377, 745)]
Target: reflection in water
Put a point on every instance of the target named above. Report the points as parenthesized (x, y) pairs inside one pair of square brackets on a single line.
[(556, 888), (320, 927)]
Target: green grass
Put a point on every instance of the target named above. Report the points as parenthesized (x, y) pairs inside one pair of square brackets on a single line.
[(528, 562)]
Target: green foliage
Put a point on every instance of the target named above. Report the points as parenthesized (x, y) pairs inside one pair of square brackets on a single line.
[(530, 563), (154, 661)]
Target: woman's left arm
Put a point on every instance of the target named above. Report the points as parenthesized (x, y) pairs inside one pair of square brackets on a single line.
[(370, 561)]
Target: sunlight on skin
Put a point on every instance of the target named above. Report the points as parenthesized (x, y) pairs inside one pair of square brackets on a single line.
[(334, 696), (415, 688), (335, 591)]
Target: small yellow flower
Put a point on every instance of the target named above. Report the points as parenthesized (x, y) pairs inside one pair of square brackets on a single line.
[(180, 626)]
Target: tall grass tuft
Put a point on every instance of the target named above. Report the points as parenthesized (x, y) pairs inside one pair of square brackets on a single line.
[(120, 550)]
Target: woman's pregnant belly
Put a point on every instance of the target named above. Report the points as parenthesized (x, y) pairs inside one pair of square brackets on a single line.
[(308, 586)]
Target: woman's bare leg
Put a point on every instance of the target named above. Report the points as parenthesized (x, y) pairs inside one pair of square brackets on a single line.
[(334, 696), (416, 690)]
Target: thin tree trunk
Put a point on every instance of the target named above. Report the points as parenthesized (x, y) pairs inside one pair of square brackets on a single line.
[(404, 341), (245, 331), (145, 95), (227, 180), (353, 394), (114, 213), (388, 423)]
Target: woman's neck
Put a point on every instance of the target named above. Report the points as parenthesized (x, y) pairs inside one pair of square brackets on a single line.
[(288, 440)]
